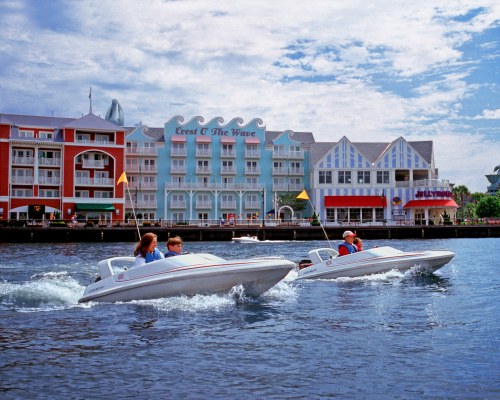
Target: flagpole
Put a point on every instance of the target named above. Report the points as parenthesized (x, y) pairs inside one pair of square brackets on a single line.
[(123, 179), (133, 212), (303, 195)]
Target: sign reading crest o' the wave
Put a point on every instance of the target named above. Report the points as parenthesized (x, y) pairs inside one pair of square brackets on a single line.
[(215, 128)]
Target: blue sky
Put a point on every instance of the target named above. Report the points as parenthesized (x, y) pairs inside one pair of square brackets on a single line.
[(370, 71)]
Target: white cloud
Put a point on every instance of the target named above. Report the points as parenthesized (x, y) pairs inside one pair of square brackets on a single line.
[(370, 71), (489, 114)]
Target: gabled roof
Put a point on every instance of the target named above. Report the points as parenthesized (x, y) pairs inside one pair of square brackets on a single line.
[(91, 121), (34, 120), (318, 150), (372, 151)]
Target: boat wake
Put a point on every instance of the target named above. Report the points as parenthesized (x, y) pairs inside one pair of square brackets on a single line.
[(44, 292), (59, 291)]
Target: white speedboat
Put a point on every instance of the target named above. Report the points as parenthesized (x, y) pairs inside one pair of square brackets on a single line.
[(246, 239), (188, 274), (325, 263)]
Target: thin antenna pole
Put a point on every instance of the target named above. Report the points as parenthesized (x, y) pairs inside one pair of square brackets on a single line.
[(90, 100), (133, 212)]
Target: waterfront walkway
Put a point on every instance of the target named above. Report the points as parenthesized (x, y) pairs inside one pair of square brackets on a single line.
[(40, 234)]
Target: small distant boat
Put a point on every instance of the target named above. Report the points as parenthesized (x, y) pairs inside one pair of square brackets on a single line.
[(188, 275), (325, 263), (246, 239)]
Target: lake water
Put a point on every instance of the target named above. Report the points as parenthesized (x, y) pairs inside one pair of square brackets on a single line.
[(403, 336)]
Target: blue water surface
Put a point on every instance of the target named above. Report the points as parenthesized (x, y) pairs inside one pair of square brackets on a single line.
[(387, 336)]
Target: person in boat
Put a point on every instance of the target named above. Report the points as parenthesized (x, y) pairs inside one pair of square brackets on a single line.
[(146, 250), (358, 243), (174, 247), (347, 246)]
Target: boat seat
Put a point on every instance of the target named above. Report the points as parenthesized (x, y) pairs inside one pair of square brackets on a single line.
[(105, 269), (319, 255)]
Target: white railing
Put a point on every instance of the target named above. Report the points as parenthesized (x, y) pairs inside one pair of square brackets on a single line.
[(23, 160), (49, 161), (211, 186), (94, 181), (49, 180), (23, 180)]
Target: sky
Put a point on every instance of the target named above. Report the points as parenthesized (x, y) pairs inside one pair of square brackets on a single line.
[(370, 71)]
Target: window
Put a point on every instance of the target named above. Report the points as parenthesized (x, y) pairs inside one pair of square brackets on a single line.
[(363, 176), (344, 177), (325, 177), (227, 182), (102, 139), (366, 214), (382, 176), (45, 135), (81, 137), (23, 133), (101, 194), (379, 214), (178, 216), (177, 166), (251, 167), (251, 182), (82, 193), (330, 214)]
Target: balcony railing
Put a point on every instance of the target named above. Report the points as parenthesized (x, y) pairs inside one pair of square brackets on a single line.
[(140, 151), (228, 205), (252, 170), (228, 170), (178, 169), (295, 155), (23, 160), (49, 180), (203, 204), (143, 185), (203, 170), (287, 187), (423, 183), (22, 180), (141, 168), (252, 153), (94, 181), (49, 162), (93, 164), (211, 186), (280, 171), (228, 153), (178, 205), (178, 152), (203, 153)]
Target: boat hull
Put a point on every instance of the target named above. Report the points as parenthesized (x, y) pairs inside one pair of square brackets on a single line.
[(374, 261), (189, 275)]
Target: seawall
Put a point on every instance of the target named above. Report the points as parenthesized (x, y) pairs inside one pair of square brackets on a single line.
[(129, 234)]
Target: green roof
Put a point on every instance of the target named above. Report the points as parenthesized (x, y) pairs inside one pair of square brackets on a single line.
[(94, 207)]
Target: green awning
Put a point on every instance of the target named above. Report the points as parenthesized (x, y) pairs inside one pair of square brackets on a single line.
[(94, 207)]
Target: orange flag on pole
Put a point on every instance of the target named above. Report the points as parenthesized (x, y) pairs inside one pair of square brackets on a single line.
[(303, 195), (123, 178)]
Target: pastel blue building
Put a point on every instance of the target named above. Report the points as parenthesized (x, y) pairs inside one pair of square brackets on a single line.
[(198, 171)]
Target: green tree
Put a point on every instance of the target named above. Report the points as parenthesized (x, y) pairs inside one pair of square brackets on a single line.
[(488, 207), (290, 199), (460, 194)]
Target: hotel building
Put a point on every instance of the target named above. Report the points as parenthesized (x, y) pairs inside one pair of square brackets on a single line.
[(200, 173)]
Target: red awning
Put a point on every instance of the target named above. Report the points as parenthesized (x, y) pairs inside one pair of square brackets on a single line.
[(177, 138), (250, 140), (229, 139), (203, 139), (431, 204), (355, 201)]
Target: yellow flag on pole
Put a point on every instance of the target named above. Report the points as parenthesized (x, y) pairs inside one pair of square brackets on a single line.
[(123, 178), (303, 195)]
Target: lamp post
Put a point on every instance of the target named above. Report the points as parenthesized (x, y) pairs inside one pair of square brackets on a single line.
[(263, 210)]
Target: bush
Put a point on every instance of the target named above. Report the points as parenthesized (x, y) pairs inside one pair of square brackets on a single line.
[(146, 223)]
